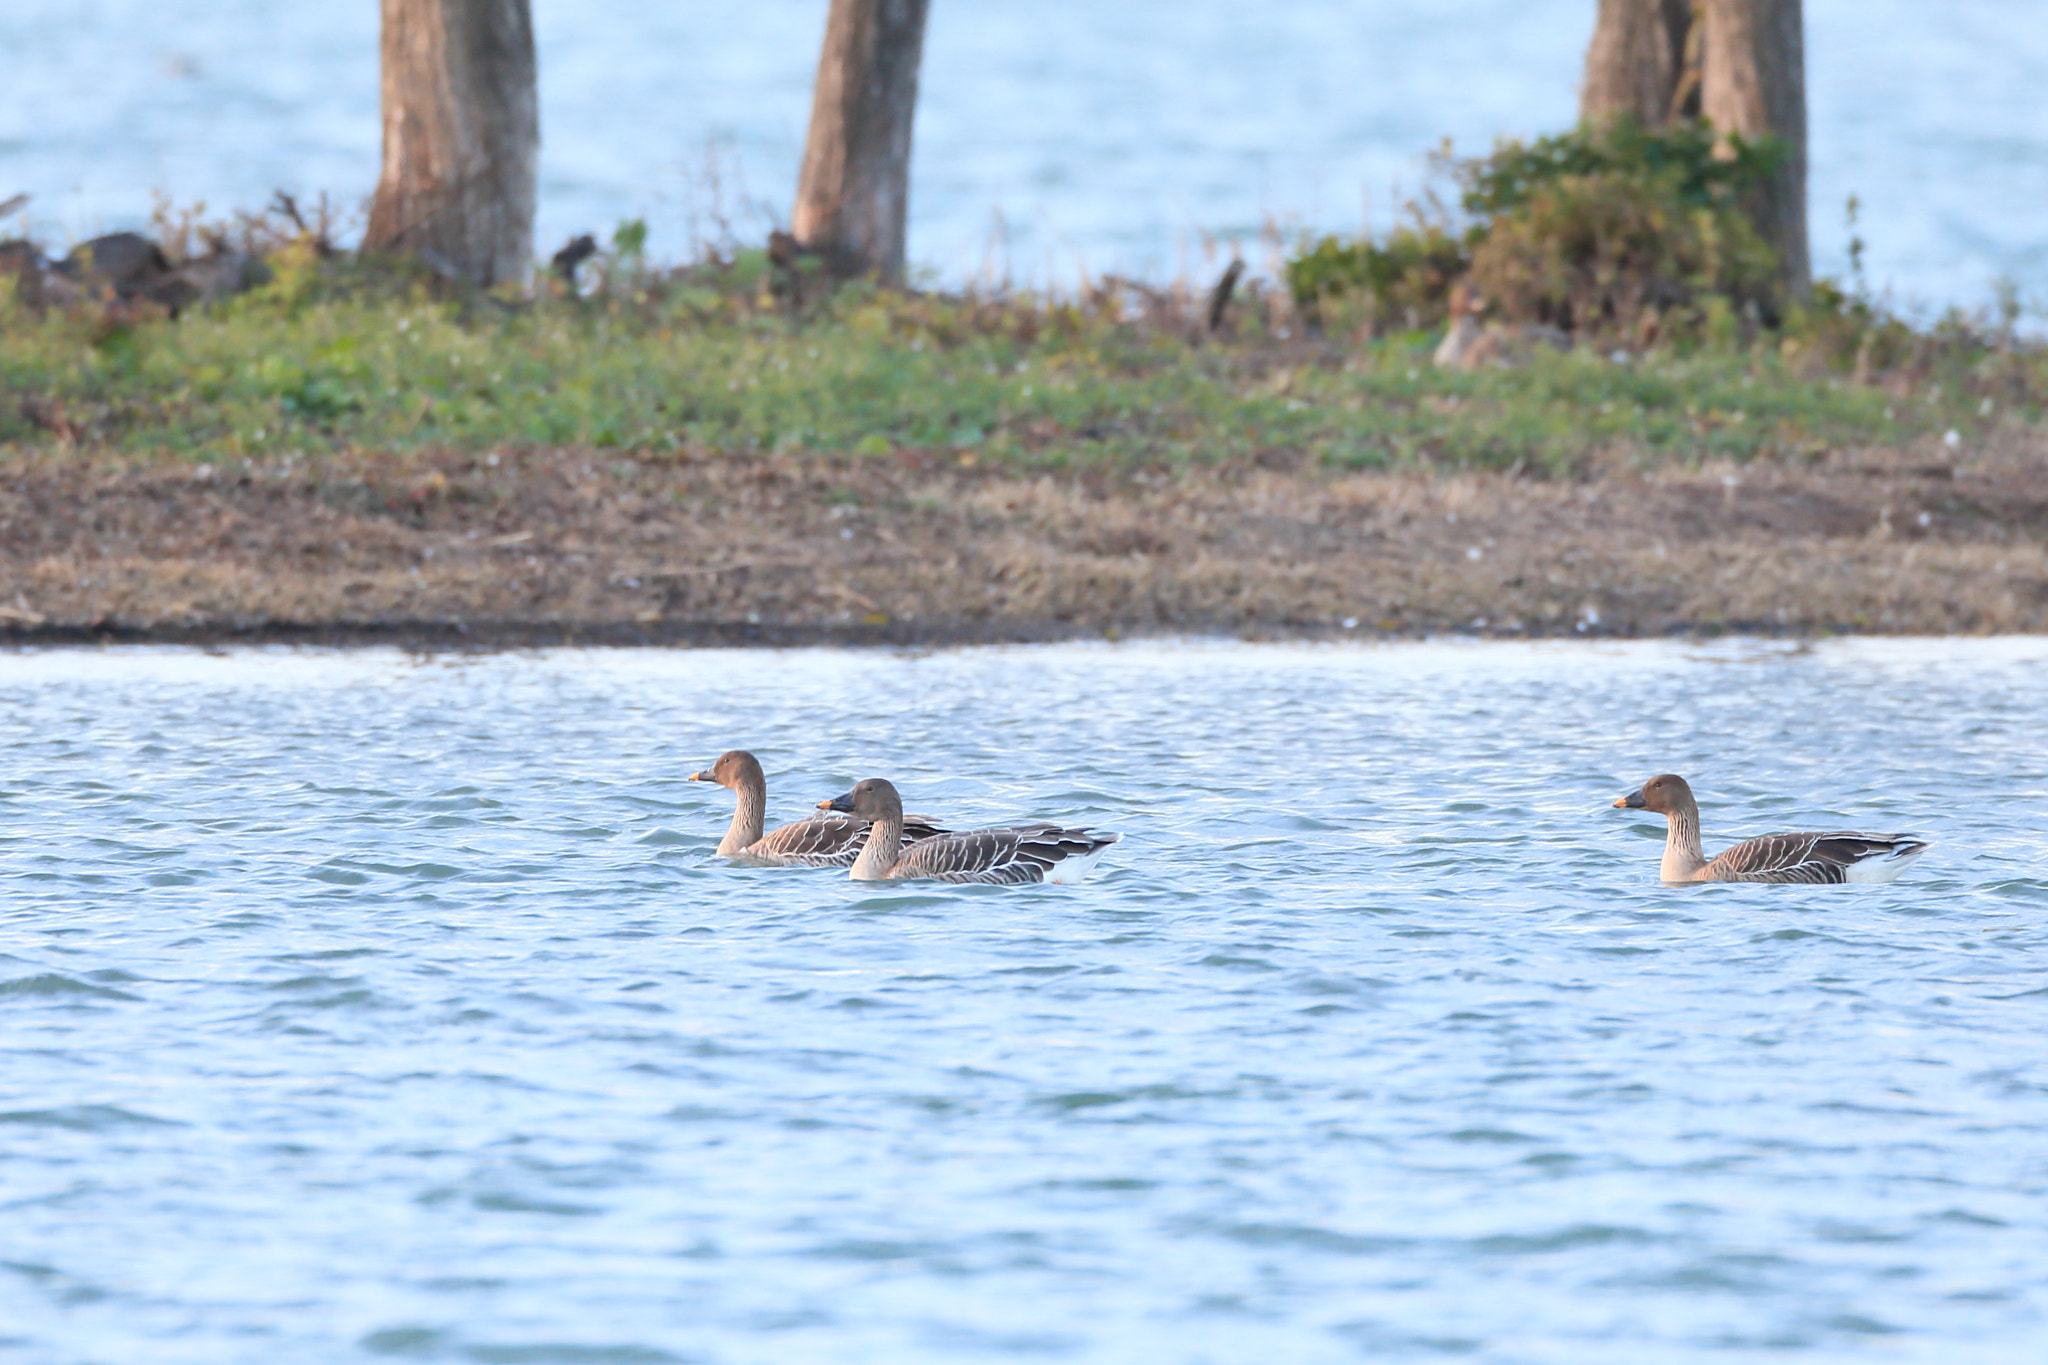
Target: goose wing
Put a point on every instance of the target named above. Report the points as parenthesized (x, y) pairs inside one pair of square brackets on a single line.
[(830, 840), (1818, 859), (821, 841), (916, 827), (1007, 856)]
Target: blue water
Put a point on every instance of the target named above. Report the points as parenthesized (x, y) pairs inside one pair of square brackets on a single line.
[(359, 1007), (1052, 136)]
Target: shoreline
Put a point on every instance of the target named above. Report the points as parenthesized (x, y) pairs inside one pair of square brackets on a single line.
[(488, 637), (444, 550)]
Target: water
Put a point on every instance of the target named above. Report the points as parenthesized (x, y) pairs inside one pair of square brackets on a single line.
[(359, 1007), (1052, 134)]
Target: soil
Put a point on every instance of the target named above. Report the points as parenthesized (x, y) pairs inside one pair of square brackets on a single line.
[(550, 546)]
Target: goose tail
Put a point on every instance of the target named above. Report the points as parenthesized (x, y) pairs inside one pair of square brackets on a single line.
[(1886, 861), (1079, 864)]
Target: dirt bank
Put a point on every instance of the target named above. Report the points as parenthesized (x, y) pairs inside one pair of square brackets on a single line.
[(543, 546)]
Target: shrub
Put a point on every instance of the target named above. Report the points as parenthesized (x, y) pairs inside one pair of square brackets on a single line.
[(1602, 229), (1600, 254), (1401, 282)]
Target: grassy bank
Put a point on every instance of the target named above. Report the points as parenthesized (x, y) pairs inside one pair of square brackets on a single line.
[(712, 363), (710, 455)]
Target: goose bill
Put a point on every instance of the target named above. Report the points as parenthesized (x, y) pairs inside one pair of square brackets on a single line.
[(1633, 801), (843, 802)]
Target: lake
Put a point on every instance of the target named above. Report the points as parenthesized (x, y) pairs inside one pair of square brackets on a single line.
[(358, 1006), (1052, 136)]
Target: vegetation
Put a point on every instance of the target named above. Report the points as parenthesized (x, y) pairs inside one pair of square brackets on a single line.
[(733, 357), (1609, 231)]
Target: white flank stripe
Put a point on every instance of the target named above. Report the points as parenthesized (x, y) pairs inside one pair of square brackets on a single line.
[(1067, 871), (1873, 870)]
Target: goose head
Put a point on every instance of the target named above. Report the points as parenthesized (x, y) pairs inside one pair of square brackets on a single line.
[(734, 768), (1666, 793), (871, 799)]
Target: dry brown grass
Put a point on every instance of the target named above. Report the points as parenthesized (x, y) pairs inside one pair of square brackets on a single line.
[(568, 544)]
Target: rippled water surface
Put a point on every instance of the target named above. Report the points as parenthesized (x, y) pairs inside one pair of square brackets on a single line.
[(359, 1007)]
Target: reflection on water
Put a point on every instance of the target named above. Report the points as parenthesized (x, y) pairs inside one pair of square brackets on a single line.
[(361, 1006), (1051, 133)]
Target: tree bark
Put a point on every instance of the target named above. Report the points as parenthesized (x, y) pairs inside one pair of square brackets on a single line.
[(1636, 61), (853, 195), (461, 137), (1754, 85)]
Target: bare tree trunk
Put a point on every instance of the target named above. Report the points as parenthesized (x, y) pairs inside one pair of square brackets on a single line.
[(461, 137), (853, 195), (1755, 86), (1636, 61)]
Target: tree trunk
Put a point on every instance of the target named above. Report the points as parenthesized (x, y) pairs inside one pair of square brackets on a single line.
[(461, 138), (1754, 86), (1636, 61), (853, 195)]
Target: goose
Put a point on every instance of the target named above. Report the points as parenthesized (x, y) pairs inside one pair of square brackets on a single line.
[(1467, 345), (1804, 857), (1009, 855), (815, 841)]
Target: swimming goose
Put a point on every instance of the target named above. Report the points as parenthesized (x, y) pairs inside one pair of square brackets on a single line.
[(1814, 858), (815, 841), (1015, 853)]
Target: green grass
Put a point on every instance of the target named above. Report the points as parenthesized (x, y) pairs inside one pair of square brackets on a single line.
[(719, 369)]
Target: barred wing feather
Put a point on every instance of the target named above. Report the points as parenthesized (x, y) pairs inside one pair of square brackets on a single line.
[(1008, 856), (1818, 859), (829, 840)]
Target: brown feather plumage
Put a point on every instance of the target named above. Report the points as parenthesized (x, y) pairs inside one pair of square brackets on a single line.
[(1813, 859), (1808, 857), (1008, 855), (829, 840), (825, 840)]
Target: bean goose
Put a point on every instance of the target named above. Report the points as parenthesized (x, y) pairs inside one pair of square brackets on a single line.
[(1012, 854), (1812, 858), (815, 841)]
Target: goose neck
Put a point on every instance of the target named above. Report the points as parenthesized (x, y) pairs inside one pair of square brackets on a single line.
[(1682, 857), (748, 811), (879, 853)]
